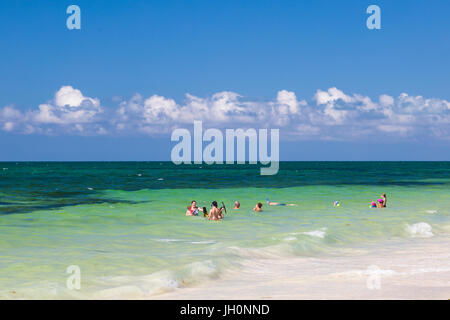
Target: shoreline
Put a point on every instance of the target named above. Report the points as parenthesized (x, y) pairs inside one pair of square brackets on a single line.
[(419, 269)]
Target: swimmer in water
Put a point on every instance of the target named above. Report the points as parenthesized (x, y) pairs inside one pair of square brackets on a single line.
[(237, 205), (258, 207), (271, 203), (192, 210), (383, 196), (380, 203), (215, 213)]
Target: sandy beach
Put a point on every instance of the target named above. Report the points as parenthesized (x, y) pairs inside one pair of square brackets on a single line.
[(419, 269)]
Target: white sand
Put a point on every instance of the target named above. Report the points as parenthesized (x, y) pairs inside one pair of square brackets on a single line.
[(414, 269)]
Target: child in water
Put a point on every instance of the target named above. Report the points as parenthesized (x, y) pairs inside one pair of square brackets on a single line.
[(380, 203), (258, 207)]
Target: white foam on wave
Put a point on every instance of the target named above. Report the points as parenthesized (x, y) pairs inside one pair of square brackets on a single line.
[(420, 229), (187, 241), (374, 270), (371, 270), (136, 287), (432, 211), (270, 252), (290, 238), (320, 233), (316, 233), (429, 270), (203, 242), (200, 271), (168, 240)]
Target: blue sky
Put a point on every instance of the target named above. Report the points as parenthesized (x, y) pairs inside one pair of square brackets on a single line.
[(343, 92)]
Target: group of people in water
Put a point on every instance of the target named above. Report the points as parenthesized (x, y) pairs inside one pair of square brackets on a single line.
[(380, 203), (216, 213)]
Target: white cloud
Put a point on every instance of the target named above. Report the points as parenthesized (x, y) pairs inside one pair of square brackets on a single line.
[(287, 102), (385, 100), (331, 96), (307, 130), (69, 106), (68, 96), (337, 115), (9, 112), (160, 114), (67, 111), (158, 109), (411, 104), (286, 108), (332, 114), (9, 117), (8, 126), (393, 128)]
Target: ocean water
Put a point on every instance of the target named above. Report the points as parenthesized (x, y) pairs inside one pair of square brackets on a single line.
[(124, 225)]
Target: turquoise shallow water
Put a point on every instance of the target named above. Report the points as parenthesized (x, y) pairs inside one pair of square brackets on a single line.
[(123, 223)]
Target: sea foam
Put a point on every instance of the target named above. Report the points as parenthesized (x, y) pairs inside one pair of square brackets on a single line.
[(316, 233), (320, 233), (137, 287), (421, 229), (168, 240)]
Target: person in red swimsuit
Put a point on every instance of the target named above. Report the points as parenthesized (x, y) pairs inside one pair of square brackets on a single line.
[(192, 210)]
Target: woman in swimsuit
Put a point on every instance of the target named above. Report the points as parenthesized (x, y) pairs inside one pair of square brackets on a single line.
[(192, 210), (215, 213), (383, 196)]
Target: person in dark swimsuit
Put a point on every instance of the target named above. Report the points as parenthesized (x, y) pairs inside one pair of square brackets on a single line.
[(271, 203), (383, 196)]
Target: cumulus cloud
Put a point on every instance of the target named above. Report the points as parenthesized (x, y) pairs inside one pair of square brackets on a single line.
[(287, 102), (331, 96), (386, 101), (69, 106), (329, 114), (67, 111), (160, 114), (9, 117), (286, 108), (9, 112), (68, 96)]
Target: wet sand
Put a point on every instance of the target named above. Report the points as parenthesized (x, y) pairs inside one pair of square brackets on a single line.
[(413, 269)]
